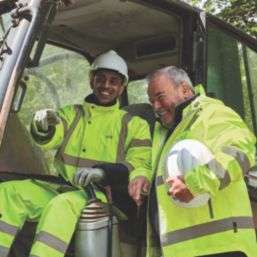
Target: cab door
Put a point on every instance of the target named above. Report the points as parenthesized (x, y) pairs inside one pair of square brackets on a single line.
[(231, 77), (232, 68)]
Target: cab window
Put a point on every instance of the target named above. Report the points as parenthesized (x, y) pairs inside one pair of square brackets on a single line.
[(5, 23), (60, 79), (232, 69), (137, 92)]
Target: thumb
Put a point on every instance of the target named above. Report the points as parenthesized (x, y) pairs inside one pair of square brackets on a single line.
[(170, 180), (145, 186)]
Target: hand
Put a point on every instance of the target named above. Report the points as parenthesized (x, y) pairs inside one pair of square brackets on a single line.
[(87, 175), (45, 118), (178, 189), (138, 188)]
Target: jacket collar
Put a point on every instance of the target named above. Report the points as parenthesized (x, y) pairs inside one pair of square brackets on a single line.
[(92, 107), (179, 114), (93, 100), (180, 108)]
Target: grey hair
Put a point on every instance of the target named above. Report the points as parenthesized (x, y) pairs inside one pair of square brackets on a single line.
[(175, 74)]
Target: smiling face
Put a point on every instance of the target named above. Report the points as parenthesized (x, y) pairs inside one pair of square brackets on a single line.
[(107, 85), (165, 95)]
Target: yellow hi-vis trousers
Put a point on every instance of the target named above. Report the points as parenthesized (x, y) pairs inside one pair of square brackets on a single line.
[(39, 201)]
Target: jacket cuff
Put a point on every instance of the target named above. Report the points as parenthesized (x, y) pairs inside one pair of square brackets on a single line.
[(140, 172), (115, 173), (42, 137)]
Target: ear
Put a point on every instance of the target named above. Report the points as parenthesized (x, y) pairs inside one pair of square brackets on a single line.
[(91, 83), (185, 90), (91, 79), (121, 89)]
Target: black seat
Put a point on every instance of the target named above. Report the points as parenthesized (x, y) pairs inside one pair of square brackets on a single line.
[(144, 111)]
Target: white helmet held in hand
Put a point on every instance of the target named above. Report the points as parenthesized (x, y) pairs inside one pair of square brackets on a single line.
[(184, 156), (112, 61)]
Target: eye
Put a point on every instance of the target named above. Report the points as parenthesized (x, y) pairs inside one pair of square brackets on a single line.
[(115, 81), (161, 97), (100, 79)]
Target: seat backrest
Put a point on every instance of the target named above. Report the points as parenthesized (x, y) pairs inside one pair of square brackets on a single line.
[(144, 111)]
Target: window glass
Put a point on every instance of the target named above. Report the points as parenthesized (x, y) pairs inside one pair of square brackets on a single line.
[(249, 67), (231, 69), (137, 92), (60, 79), (5, 23)]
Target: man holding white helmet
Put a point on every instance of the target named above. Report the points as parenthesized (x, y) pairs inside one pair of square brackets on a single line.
[(97, 142), (200, 148)]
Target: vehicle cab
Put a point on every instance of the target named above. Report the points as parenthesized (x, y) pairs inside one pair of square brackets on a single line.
[(47, 46)]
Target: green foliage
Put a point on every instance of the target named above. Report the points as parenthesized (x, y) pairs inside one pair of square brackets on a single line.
[(239, 13), (137, 92)]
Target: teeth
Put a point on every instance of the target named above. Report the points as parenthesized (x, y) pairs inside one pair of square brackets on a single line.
[(162, 113), (105, 93)]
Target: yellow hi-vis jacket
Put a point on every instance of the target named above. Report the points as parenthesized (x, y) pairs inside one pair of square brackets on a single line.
[(91, 134), (87, 136), (225, 224)]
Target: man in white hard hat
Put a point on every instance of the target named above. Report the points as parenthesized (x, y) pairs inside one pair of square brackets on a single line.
[(97, 142), (223, 225)]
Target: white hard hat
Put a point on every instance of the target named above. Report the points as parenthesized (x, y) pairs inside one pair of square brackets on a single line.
[(183, 157), (112, 61)]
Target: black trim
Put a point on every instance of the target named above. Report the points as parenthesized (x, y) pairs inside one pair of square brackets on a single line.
[(115, 173), (42, 139)]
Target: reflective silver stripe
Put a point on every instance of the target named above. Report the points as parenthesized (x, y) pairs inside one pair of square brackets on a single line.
[(206, 229), (79, 112), (122, 138), (52, 241), (4, 251), (220, 172), (216, 168), (77, 162), (138, 143), (159, 180), (8, 229), (240, 156), (33, 255), (65, 126)]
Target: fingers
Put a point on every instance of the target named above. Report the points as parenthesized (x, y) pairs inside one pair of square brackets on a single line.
[(81, 178), (46, 117), (52, 117), (41, 119), (170, 180), (138, 188), (76, 178), (87, 178), (145, 189), (178, 189), (87, 175), (131, 189)]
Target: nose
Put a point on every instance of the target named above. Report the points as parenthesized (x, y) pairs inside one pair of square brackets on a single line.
[(156, 106), (106, 83)]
